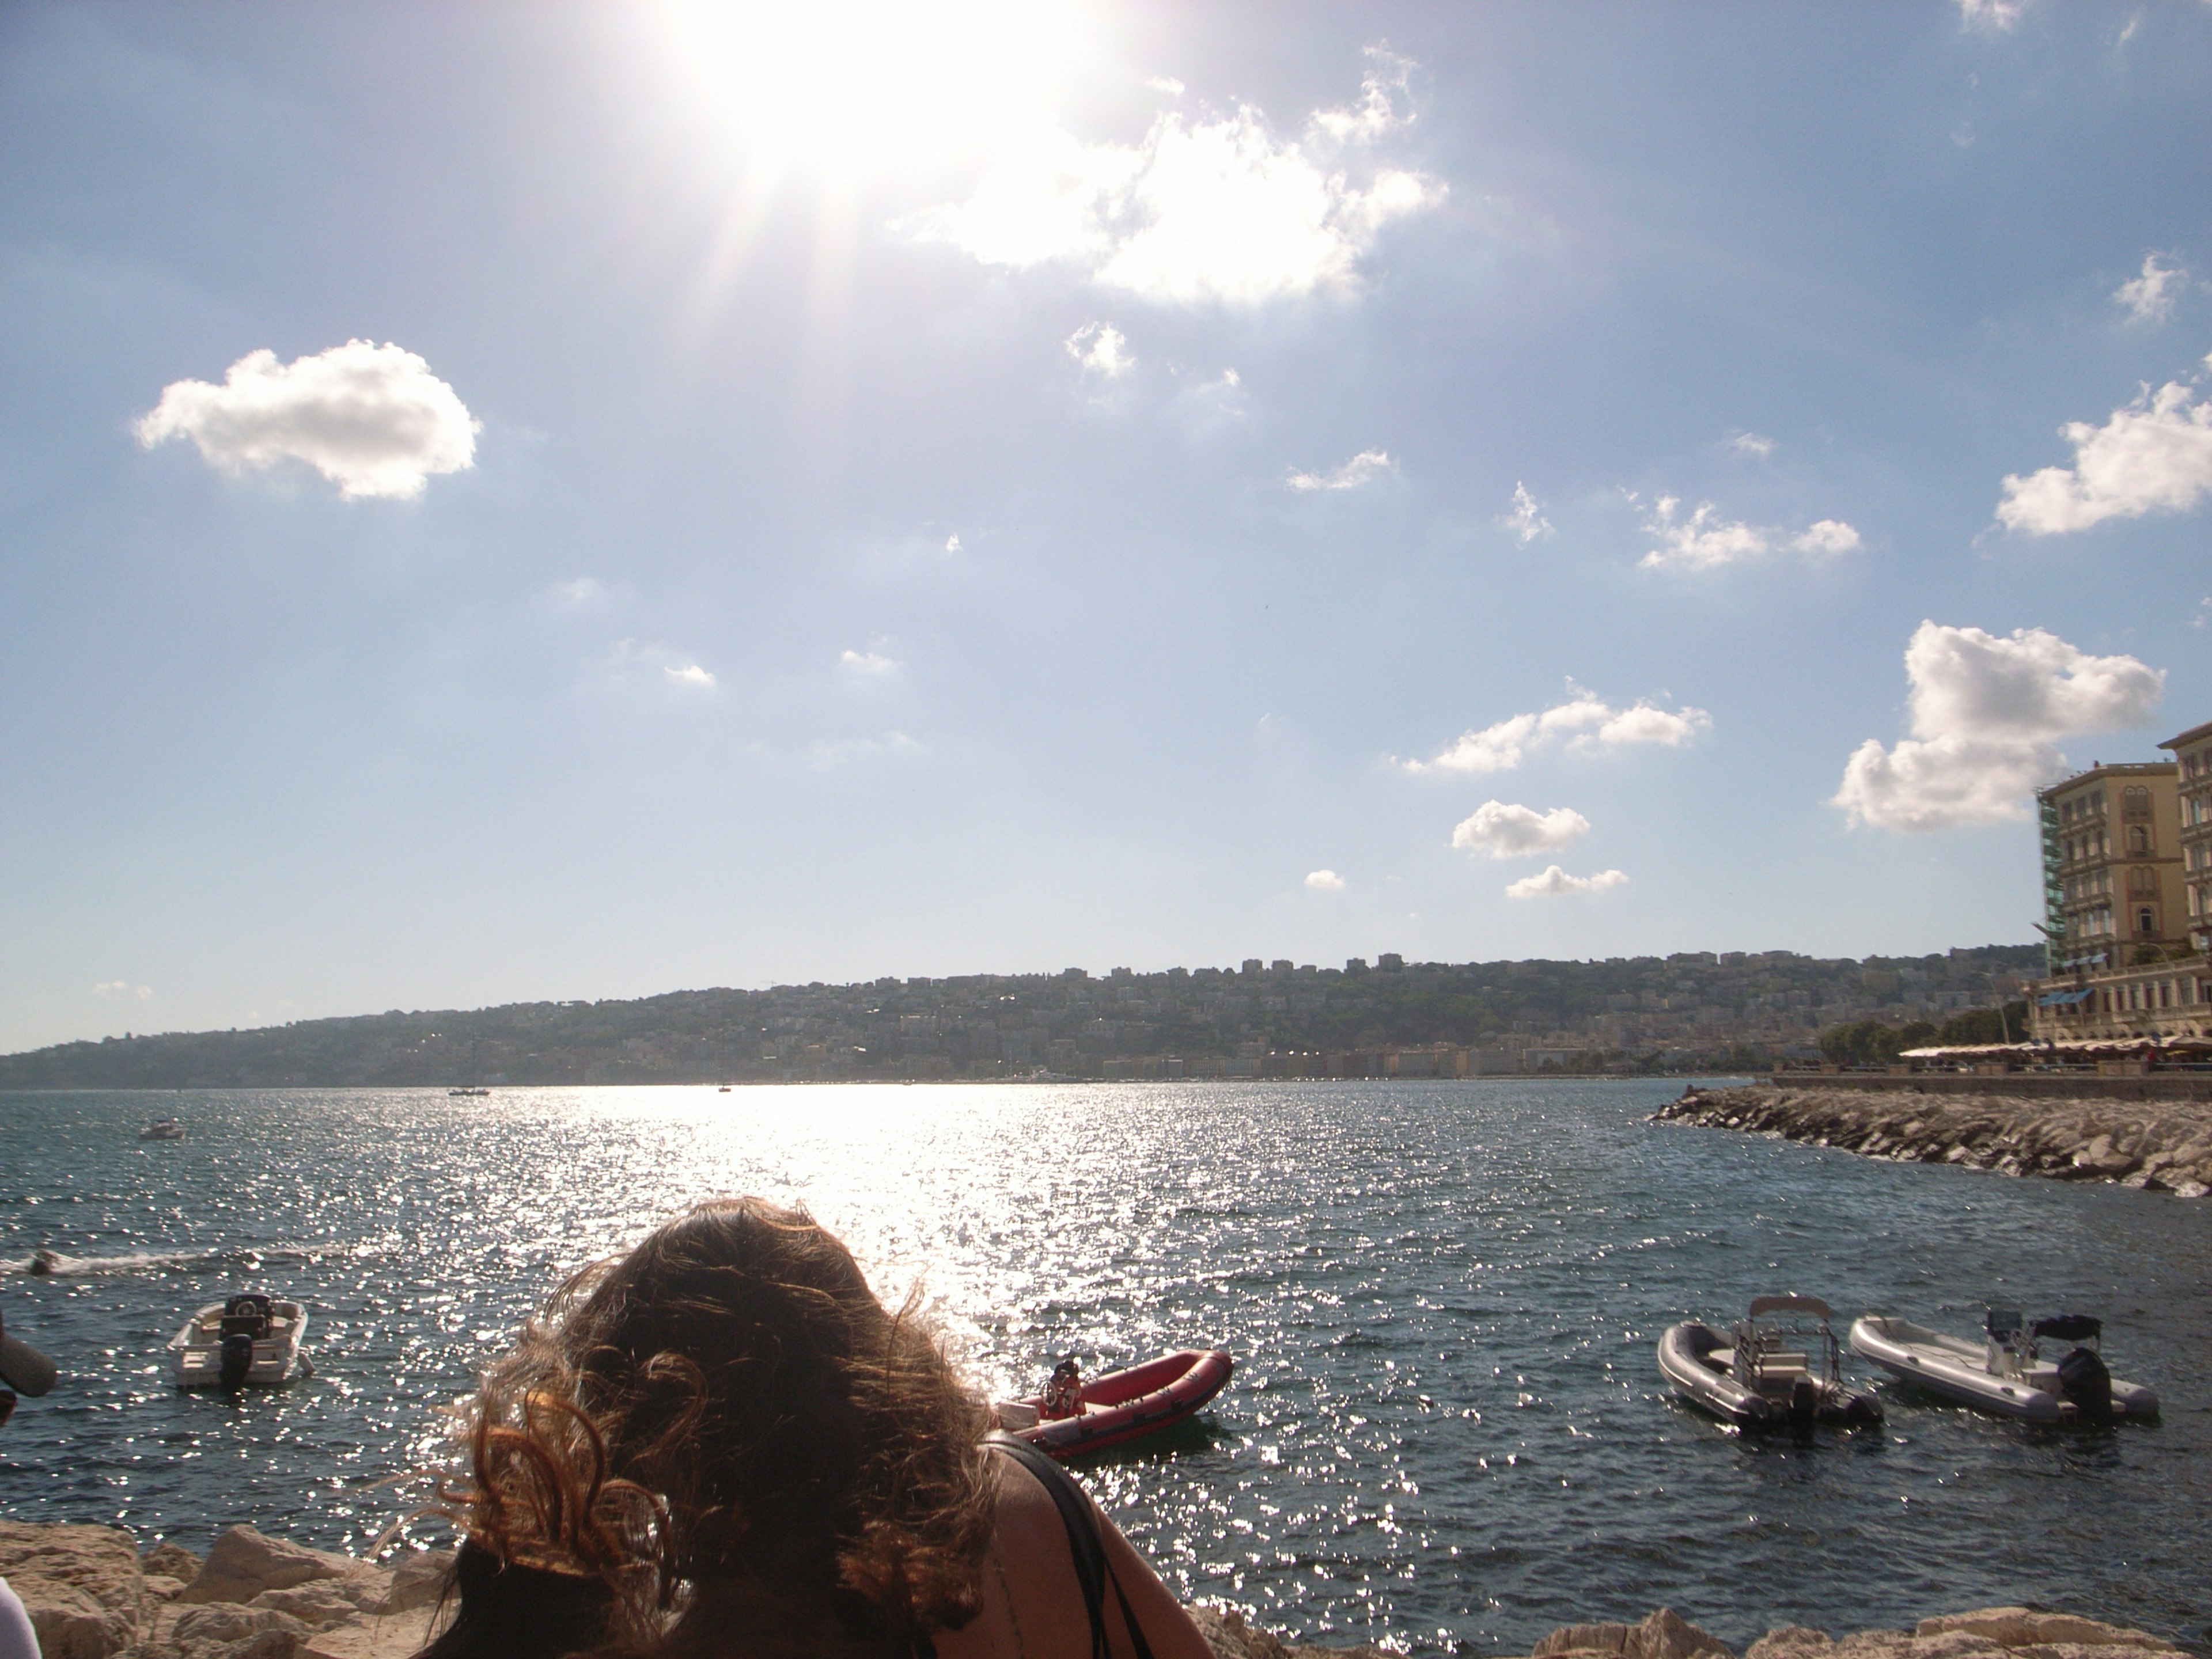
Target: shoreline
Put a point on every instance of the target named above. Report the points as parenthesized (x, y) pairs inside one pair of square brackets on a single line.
[(92, 1593), (2158, 1146)]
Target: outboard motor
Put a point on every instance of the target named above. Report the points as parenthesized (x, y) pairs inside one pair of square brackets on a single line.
[(1804, 1406), (237, 1359), (2084, 1381)]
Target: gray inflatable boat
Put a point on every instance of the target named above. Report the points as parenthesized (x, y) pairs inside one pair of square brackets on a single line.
[(2008, 1372), (1769, 1372)]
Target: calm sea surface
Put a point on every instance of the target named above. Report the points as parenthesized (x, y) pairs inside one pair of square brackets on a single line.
[(1445, 1431)]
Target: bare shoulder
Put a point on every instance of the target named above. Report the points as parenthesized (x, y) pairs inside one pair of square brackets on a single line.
[(1033, 1548)]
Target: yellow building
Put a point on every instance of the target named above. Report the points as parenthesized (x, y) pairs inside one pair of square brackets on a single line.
[(2192, 755), (2111, 865), (2127, 881)]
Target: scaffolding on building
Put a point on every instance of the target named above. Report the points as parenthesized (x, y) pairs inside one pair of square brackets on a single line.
[(2054, 889)]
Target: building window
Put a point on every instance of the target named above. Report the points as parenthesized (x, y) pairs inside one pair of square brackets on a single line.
[(2138, 840), (2146, 923)]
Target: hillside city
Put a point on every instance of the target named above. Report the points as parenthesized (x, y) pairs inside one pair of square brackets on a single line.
[(1389, 1018)]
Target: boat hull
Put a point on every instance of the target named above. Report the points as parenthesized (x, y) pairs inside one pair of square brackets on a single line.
[(198, 1349), (1681, 1352), (1953, 1369), (1122, 1405)]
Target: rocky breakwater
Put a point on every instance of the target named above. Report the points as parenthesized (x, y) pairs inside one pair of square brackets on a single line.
[(92, 1593), (2164, 1146)]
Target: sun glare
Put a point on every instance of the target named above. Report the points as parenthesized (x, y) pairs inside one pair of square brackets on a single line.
[(841, 85)]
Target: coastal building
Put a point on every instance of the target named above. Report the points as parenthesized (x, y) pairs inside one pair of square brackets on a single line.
[(2111, 866), (2127, 879), (2192, 758)]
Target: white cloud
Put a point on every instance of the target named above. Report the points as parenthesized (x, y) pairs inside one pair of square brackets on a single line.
[(2149, 298), (1365, 467), (1986, 716), (1527, 520), (372, 419), (1585, 722), (1217, 209), (122, 987), (1750, 444), (1991, 16), (1103, 349), (1324, 881), (2154, 456), (869, 665), (1505, 831), (1555, 881), (631, 664), (952, 543), (1168, 84), (1705, 541)]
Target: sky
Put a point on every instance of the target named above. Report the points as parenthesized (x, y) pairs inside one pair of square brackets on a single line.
[(518, 502)]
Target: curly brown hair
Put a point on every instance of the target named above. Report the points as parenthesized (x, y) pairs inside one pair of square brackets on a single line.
[(726, 1426)]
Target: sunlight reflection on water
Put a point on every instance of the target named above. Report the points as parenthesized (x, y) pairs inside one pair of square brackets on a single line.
[(1445, 1427)]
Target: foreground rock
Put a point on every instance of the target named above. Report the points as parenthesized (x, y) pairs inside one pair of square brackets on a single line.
[(2162, 1145), (1992, 1632), (92, 1595)]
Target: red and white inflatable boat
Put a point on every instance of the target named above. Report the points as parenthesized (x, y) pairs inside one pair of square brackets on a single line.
[(1122, 1405)]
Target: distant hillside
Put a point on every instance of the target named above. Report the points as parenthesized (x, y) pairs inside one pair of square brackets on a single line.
[(1624, 1014)]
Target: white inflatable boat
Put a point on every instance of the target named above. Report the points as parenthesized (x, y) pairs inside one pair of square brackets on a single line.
[(2006, 1373), (1766, 1373), (251, 1340)]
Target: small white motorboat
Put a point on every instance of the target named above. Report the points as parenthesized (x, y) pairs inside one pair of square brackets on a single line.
[(251, 1340), (2006, 1373), (162, 1129), (1766, 1373)]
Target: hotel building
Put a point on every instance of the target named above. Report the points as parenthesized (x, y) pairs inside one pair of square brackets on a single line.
[(2193, 757), (2127, 891)]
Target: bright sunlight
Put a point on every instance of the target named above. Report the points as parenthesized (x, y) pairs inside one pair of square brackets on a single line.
[(840, 86)]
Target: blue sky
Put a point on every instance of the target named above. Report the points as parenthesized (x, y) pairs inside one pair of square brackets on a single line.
[(537, 501)]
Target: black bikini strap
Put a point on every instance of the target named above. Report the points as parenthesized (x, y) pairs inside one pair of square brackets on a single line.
[(1093, 1572)]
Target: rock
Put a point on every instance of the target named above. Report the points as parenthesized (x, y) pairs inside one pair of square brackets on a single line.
[(317, 1605), (418, 1579), (1789, 1642), (1952, 1645), (1223, 1628), (1662, 1635), (80, 1585), (225, 1622), (244, 1564), (159, 1587), (171, 1561), (2017, 1627), (399, 1636)]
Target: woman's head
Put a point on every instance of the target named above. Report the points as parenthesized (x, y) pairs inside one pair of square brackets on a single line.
[(727, 1416)]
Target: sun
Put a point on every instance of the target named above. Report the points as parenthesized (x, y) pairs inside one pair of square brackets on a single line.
[(843, 86)]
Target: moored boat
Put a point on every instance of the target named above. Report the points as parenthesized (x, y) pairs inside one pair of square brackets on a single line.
[(251, 1340), (2006, 1373), (1122, 1405), (1766, 1373)]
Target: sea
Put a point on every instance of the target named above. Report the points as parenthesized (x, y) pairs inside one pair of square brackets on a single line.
[(1445, 1431)]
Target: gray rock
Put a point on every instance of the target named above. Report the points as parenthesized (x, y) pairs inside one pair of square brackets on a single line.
[(1662, 1635), (244, 1564), (80, 1585), (171, 1561), (418, 1579)]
